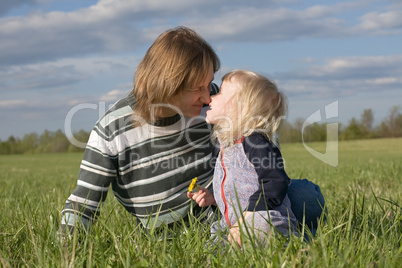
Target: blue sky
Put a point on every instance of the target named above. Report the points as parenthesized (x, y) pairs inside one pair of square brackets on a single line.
[(59, 56)]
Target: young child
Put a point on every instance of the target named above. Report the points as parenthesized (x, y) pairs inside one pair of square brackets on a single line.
[(250, 183)]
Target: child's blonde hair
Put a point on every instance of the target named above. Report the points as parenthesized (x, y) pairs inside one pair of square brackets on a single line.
[(256, 106)]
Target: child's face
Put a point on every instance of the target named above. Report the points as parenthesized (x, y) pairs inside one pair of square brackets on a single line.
[(219, 102)]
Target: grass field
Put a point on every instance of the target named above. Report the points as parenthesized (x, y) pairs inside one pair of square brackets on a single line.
[(364, 226)]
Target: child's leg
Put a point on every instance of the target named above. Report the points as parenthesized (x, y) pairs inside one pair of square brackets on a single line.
[(263, 223), (218, 233), (306, 201)]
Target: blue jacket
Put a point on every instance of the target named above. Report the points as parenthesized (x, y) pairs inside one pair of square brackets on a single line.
[(250, 176)]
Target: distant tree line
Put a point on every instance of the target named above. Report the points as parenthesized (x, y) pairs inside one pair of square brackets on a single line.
[(364, 128), (47, 142), (57, 142)]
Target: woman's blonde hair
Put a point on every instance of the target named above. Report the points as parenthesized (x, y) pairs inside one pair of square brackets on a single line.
[(256, 106), (178, 59)]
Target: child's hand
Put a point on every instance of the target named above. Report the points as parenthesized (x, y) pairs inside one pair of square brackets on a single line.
[(234, 236), (203, 197)]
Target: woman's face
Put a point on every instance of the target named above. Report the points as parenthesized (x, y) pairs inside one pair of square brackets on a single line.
[(190, 102), (220, 101)]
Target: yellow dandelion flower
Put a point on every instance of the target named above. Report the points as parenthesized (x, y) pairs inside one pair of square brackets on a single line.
[(193, 185)]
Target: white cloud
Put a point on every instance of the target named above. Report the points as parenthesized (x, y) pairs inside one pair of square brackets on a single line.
[(270, 24), (369, 66), (113, 95), (376, 20), (38, 76), (43, 36), (6, 104), (63, 73), (122, 26), (345, 76), (384, 81)]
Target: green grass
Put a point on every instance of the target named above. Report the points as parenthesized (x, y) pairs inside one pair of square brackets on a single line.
[(363, 195)]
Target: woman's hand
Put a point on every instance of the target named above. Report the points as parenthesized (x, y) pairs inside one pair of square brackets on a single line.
[(203, 197)]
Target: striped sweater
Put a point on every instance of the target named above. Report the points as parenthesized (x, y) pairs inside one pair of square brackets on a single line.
[(148, 167)]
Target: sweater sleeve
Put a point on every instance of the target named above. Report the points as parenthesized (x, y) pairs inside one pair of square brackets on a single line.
[(272, 178), (97, 171)]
